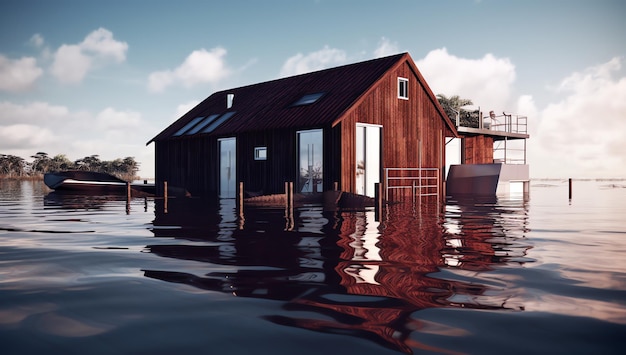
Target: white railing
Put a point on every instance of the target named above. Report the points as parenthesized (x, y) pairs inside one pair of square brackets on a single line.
[(507, 123), (422, 181)]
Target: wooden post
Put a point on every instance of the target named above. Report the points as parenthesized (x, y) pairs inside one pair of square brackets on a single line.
[(240, 206), (286, 197), (377, 201), (240, 194), (570, 188), (165, 196), (128, 196), (290, 219), (288, 206)]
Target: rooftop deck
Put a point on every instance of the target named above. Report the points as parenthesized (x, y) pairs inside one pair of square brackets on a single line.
[(505, 126)]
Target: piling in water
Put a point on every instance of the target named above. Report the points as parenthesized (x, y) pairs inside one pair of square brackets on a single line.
[(570, 188)]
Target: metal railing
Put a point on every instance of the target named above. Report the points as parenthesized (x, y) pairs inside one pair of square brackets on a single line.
[(509, 152), (421, 181), (507, 123)]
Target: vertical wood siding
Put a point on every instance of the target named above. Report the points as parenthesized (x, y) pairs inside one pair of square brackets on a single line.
[(412, 134), (477, 150)]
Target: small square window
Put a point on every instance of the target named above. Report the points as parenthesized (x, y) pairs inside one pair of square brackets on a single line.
[(403, 88), (260, 153)]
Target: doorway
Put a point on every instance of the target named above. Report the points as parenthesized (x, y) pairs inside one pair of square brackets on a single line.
[(228, 167), (367, 158), (310, 161)]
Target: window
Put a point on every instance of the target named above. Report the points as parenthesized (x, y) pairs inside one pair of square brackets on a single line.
[(188, 126), (218, 122), (311, 160), (403, 88), (260, 153), (201, 125), (308, 99)]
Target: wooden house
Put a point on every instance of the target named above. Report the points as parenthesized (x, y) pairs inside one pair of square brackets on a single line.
[(347, 127)]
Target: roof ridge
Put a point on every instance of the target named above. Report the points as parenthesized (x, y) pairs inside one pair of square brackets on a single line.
[(262, 105), (339, 67)]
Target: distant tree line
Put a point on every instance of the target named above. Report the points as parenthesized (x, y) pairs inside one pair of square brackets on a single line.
[(12, 166)]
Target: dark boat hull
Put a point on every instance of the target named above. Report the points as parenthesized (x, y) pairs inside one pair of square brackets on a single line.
[(92, 183)]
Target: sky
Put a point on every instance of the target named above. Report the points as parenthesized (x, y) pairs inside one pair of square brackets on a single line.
[(104, 77)]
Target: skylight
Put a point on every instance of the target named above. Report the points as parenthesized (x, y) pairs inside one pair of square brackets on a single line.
[(308, 99), (218, 122), (188, 126), (202, 124)]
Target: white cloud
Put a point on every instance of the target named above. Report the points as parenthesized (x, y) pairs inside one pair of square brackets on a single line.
[(324, 58), (486, 81), (35, 126), (24, 136), (385, 48), (72, 62), (584, 134), (101, 42), (111, 119), (35, 112), (201, 66), (38, 126), (184, 108), (18, 75), (37, 40)]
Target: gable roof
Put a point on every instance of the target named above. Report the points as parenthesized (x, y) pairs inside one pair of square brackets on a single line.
[(270, 105)]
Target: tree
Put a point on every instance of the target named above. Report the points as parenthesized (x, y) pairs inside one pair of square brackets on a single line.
[(41, 164), (452, 106), (90, 163), (12, 166), (130, 166), (60, 162)]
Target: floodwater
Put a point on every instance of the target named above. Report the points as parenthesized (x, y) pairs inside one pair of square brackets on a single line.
[(99, 275)]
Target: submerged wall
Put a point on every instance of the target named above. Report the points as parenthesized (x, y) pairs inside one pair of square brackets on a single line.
[(486, 179)]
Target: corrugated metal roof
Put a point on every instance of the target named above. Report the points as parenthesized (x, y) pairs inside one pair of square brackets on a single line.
[(269, 105)]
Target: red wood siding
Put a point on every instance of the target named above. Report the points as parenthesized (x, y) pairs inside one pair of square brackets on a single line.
[(412, 134), (477, 150)]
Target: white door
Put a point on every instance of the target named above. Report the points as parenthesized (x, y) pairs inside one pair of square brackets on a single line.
[(310, 161), (367, 158), (228, 167)]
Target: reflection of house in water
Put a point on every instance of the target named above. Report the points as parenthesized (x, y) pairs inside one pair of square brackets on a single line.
[(352, 275), (484, 232)]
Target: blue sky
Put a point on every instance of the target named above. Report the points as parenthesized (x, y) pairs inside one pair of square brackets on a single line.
[(82, 78)]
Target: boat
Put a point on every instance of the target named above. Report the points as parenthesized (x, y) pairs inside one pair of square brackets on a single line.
[(93, 183)]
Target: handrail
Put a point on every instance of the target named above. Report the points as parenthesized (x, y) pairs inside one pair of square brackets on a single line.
[(421, 184), (508, 123)]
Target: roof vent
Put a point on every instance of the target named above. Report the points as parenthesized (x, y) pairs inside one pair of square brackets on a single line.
[(229, 100)]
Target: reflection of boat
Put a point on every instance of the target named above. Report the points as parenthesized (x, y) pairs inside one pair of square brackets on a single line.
[(92, 182)]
